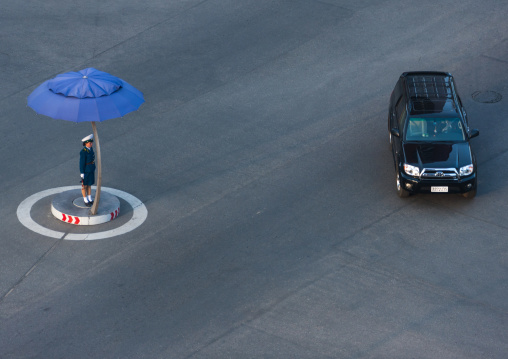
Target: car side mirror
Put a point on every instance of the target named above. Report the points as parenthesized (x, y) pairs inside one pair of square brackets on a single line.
[(473, 133), (395, 132)]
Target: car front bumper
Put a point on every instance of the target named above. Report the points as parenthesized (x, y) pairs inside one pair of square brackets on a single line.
[(420, 185)]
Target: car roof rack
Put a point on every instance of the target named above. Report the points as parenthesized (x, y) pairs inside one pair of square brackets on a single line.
[(429, 86), (430, 92)]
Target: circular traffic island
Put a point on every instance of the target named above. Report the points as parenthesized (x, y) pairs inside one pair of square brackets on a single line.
[(69, 207)]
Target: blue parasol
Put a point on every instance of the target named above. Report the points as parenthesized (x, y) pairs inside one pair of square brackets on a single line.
[(87, 95)]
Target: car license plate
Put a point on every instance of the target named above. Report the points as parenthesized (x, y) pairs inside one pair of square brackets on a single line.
[(439, 189)]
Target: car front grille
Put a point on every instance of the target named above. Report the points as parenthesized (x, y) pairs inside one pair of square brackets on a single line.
[(439, 173)]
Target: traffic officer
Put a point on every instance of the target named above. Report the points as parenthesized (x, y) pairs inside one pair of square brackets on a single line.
[(87, 169)]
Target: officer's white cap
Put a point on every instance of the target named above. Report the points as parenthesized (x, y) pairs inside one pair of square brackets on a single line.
[(88, 138)]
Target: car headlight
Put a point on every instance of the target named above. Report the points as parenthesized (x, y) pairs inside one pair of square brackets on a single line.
[(411, 170), (466, 170)]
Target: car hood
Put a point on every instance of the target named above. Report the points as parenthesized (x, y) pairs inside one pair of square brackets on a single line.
[(438, 155)]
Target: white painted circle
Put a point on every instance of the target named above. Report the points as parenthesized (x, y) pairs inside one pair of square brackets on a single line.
[(138, 216)]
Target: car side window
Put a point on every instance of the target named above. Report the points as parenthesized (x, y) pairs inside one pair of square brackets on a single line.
[(463, 110), (401, 112), (396, 111), (402, 119)]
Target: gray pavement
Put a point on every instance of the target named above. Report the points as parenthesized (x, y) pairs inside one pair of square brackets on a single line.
[(261, 154)]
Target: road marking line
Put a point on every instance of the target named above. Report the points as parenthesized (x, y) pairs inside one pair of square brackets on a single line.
[(139, 215)]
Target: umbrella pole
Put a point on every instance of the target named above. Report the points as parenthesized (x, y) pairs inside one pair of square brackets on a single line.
[(95, 205)]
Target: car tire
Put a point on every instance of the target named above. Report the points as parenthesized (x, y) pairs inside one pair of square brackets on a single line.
[(401, 192)]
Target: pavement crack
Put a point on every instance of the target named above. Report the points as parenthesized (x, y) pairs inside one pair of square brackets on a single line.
[(494, 156), (495, 59), (374, 222), (153, 26), (479, 219), (32, 268)]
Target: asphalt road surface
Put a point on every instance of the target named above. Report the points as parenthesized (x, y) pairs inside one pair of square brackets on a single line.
[(261, 154)]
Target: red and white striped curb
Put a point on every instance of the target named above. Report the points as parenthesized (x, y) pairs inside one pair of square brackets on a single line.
[(85, 220), (70, 219)]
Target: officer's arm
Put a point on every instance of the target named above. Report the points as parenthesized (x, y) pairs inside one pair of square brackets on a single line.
[(82, 161)]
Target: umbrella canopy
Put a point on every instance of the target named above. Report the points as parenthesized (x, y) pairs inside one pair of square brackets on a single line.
[(87, 95)]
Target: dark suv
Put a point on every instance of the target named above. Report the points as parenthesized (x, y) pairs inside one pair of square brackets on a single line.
[(429, 135)]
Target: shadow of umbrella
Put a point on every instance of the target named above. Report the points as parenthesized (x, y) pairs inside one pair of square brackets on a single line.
[(88, 95)]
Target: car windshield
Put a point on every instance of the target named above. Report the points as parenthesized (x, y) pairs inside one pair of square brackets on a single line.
[(435, 129)]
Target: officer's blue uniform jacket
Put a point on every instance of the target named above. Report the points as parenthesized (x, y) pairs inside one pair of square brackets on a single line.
[(87, 165)]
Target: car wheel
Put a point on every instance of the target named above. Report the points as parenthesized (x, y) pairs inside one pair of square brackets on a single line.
[(401, 192)]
